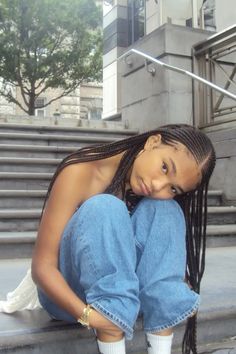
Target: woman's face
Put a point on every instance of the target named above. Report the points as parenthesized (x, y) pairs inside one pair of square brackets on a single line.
[(163, 171)]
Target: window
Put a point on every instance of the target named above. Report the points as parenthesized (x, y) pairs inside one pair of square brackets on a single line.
[(95, 114), (136, 19), (40, 110)]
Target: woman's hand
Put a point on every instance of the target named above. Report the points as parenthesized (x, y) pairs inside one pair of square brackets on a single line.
[(106, 330)]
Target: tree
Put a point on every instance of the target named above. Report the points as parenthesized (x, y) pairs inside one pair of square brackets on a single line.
[(48, 44)]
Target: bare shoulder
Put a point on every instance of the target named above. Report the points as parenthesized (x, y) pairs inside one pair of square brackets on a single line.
[(76, 177)]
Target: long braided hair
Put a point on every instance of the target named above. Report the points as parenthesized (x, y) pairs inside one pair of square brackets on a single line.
[(193, 204)]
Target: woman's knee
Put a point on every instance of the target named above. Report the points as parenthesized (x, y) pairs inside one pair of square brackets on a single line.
[(168, 211), (110, 335), (162, 206), (157, 223), (103, 204)]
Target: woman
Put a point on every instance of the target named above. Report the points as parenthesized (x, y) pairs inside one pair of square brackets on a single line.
[(111, 242)]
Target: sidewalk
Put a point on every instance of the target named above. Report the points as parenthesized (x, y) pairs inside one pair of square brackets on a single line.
[(227, 347)]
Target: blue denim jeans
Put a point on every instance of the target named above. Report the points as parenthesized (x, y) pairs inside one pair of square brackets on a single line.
[(125, 265)]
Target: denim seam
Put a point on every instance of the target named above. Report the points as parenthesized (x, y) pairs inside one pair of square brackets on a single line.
[(88, 254), (179, 319), (126, 328), (138, 244), (83, 241)]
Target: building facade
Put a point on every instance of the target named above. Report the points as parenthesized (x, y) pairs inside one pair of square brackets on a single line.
[(145, 95), (83, 103)]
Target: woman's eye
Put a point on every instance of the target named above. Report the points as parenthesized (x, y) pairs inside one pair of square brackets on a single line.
[(173, 190), (164, 167)]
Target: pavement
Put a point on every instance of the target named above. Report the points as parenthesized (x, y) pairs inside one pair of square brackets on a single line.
[(218, 290), (226, 347)]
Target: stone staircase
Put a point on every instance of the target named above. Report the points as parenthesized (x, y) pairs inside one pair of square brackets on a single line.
[(29, 154)]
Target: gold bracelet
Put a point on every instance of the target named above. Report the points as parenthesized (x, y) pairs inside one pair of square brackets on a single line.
[(84, 319)]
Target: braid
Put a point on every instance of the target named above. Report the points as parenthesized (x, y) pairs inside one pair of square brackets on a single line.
[(193, 204)]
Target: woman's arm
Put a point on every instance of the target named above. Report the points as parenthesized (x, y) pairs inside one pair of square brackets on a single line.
[(71, 188)]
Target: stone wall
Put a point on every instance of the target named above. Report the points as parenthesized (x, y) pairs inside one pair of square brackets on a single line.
[(148, 101), (224, 176)]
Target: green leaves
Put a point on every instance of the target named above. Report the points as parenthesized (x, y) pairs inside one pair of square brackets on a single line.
[(49, 44)]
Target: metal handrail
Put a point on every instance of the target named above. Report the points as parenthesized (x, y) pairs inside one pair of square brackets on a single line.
[(181, 71)]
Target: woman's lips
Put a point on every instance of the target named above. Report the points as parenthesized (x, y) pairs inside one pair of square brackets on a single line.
[(145, 190)]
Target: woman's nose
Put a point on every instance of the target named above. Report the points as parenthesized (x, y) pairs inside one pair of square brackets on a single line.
[(159, 184)]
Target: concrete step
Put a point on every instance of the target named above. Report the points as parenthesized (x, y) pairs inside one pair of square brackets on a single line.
[(34, 332), (36, 151), (221, 215), (54, 139), (58, 121), (221, 235), (13, 219), (27, 219), (104, 129), (21, 164), (19, 219), (24, 180), (215, 197), (32, 199), (18, 243)]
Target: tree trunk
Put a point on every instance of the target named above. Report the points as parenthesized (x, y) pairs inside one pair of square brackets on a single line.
[(31, 107)]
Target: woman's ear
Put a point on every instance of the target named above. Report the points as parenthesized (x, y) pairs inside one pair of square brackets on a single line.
[(153, 142)]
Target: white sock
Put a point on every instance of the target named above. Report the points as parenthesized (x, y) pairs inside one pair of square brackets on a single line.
[(112, 348), (159, 344)]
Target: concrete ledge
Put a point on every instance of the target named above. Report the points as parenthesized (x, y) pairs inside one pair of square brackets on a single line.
[(33, 331), (38, 331)]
